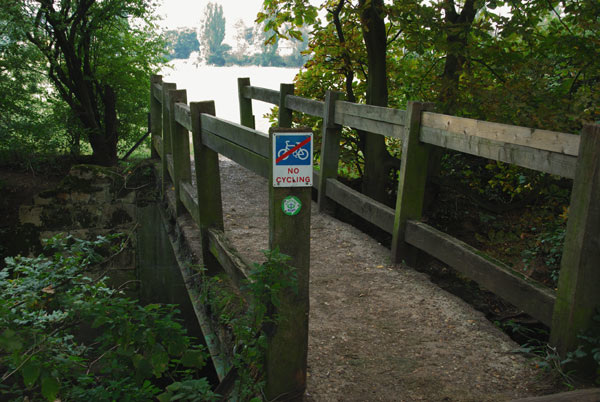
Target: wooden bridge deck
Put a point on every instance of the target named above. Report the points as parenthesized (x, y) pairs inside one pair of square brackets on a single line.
[(378, 331)]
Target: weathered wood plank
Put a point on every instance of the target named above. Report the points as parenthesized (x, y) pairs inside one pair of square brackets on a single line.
[(208, 184), (378, 113), (157, 141), (155, 114), (578, 295), (261, 94), (232, 262), (183, 116), (246, 115), (157, 91), (330, 150), (286, 356), (412, 180), (307, 106), (166, 135), (244, 137), (371, 126), (248, 159), (285, 115), (530, 296), (180, 147), (189, 200), (552, 141), (169, 160), (365, 207), (531, 158)]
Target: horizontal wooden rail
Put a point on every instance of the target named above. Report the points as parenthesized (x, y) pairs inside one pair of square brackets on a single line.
[(530, 296), (189, 198), (233, 264), (544, 161), (552, 141), (374, 119), (245, 137), (261, 94), (303, 105), (183, 115), (365, 207), (248, 159)]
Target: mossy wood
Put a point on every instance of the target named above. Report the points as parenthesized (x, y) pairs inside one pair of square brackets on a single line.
[(330, 150), (246, 115), (533, 298), (286, 358), (285, 114), (248, 159), (578, 296), (180, 147), (190, 200), (232, 262), (208, 183), (367, 208), (411, 182), (155, 114), (183, 116), (166, 135)]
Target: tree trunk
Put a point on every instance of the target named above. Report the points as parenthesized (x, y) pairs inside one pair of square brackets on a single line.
[(377, 158)]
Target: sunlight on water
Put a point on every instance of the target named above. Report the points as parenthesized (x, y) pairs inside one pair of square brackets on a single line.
[(220, 84)]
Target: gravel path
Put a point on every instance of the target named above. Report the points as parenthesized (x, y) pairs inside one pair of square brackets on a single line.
[(382, 332)]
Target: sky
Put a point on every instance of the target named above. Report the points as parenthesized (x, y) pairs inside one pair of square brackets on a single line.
[(188, 13)]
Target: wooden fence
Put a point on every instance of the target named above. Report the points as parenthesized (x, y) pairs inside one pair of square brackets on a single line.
[(569, 311), (172, 119)]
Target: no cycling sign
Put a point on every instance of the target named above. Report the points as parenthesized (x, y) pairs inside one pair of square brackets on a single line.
[(292, 159)]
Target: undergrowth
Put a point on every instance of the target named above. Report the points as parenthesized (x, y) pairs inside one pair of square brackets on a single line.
[(65, 334)]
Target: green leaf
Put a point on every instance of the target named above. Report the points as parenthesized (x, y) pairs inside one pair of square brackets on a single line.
[(159, 359), (50, 387), (193, 358), (99, 321), (30, 372), (10, 342)]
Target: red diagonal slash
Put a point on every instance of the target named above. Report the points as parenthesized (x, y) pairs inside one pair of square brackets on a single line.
[(291, 151)]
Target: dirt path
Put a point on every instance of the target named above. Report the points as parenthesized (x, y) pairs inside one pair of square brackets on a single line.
[(380, 332)]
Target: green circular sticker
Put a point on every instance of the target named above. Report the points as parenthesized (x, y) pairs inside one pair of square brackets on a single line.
[(291, 205)]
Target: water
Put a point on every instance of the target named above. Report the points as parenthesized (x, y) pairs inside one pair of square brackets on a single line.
[(220, 84)]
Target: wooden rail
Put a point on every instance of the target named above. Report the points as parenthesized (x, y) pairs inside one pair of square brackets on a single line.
[(287, 347), (569, 311)]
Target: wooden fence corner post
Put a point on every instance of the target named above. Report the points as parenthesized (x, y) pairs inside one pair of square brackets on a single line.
[(180, 148), (411, 182), (578, 296), (166, 134), (285, 115), (155, 115), (330, 150), (208, 183), (287, 351), (246, 116)]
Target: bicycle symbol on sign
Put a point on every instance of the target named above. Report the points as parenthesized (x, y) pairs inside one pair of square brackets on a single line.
[(301, 153)]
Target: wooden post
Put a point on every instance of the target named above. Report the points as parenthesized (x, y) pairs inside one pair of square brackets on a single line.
[(208, 183), (285, 114), (246, 116), (286, 356), (180, 146), (155, 116), (166, 134), (411, 183), (330, 149), (578, 295)]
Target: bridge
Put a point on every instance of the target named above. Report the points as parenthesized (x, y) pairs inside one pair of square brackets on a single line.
[(359, 325)]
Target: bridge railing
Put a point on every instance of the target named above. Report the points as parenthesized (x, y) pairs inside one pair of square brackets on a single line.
[(173, 119), (569, 311)]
